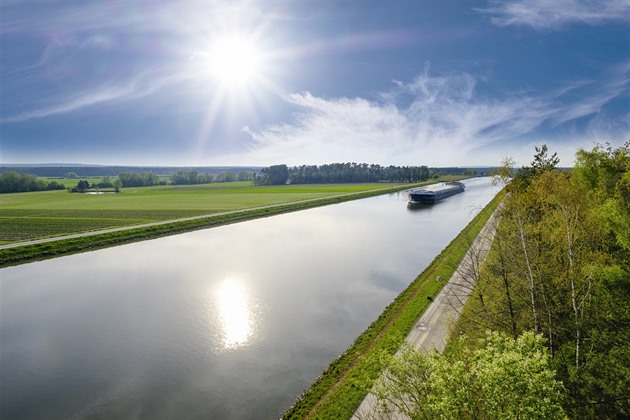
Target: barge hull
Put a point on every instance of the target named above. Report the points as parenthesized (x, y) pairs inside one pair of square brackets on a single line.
[(433, 195)]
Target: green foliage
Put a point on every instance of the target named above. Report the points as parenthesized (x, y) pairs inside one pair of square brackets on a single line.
[(503, 378), (190, 177), (560, 266), (273, 175), (245, 176), (12, 182), (117, 184), (144, 179), (82, 186), (603, 173), (345, 173), (599, 170), (504, 172), (542, 163)]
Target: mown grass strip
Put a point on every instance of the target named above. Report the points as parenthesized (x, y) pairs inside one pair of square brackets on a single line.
[(337, 393), (35, 252)]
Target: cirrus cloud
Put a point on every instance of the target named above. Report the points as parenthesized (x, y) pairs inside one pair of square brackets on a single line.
[(546, 14), (438, 120)]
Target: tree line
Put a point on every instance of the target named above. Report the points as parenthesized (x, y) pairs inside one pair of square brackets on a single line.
[(337, 173), (87, 171), (11, 182), (194, 177), (272, 175), (148, 179), (107, 182), (559, 270)]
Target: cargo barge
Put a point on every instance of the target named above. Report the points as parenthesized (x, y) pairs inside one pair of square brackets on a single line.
[(434, 193)]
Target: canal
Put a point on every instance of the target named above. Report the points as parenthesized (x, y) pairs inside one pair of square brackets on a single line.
[(232, 322)]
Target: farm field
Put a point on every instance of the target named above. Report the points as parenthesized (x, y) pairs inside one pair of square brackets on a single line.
[(34, 215)]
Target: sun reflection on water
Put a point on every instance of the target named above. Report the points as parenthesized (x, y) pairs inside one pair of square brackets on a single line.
[(235, 313)]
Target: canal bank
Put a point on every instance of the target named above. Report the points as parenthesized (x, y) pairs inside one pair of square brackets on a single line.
[(431, 331), (341, 388)]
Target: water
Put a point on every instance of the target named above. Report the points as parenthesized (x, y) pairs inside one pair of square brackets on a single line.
[(232, 322)]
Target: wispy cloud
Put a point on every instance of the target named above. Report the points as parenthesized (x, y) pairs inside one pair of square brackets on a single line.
[(106, 52), (138, 86), (430, 120), (129, 17), (548, 14)]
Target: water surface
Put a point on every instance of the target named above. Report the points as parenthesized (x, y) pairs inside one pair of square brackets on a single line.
[(231, 322)]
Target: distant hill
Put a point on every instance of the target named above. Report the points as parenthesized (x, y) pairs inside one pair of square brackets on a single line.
[(82, 170), (59, 170)]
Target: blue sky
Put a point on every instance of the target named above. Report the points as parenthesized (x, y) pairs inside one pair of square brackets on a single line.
[(437, 83)]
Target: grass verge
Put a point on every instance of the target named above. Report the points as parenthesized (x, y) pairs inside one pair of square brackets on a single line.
[(337, 393), (35, 252)]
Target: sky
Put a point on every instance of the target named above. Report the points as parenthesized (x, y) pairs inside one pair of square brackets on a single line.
[(259, 83)]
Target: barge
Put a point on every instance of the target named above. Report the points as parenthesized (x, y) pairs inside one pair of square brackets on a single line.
[(434, 193)]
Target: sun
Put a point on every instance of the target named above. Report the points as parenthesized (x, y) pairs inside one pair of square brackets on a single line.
[(237, 74), (235, 61)]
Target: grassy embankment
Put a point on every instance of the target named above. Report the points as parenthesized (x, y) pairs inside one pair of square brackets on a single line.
[(337, 393), (26, 216)]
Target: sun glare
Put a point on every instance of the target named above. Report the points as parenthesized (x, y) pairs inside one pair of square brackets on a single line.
[(235, 314), (239, 73), (235, 61)]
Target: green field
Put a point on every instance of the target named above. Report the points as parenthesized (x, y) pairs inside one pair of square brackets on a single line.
[(34, 215)]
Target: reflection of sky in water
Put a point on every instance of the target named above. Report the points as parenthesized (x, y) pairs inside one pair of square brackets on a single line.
[(235, 313)]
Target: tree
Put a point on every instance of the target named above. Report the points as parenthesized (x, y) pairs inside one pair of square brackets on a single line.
[(505, 172), (117, 184), (502, 378), (603, 172), (144, 179), (225, 177), (273, 175), (82, 186), (190, 177), (561, 266), (245, 176), (11, 182), (542, 162), (54, 185)]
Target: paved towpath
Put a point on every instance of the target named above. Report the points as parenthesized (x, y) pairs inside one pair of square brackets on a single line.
[(165, 222), (432, 329)]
